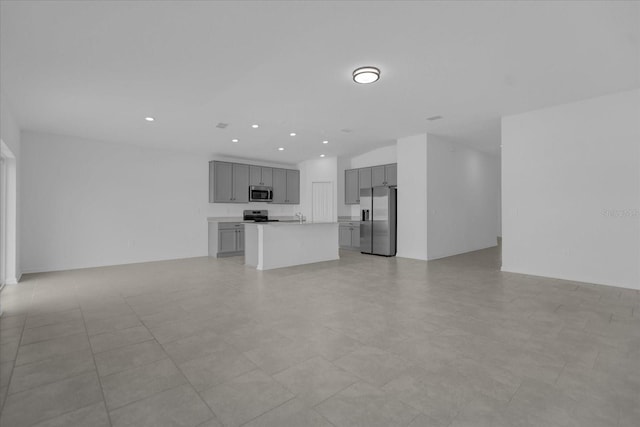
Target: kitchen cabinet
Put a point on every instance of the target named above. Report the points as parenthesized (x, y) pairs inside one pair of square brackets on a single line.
[(375, 176), (349, 235), (259, 175), (228, 182), (391, 174), (279, 186), (351, 187), (293, 187), (384, 175), (230, 239), (364, 176), (286, 186)]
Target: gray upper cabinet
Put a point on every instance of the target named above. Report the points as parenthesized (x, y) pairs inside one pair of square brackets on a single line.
[(229, 182), (293, 187), (391, 174), (240, 183), (221, 182), (351, 189), (286, 186), (377, 176), (364, 176), (267, 177), (259, 175), (279, 186), (384, 175)]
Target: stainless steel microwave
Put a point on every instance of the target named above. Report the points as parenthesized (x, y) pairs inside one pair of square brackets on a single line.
[(259, 193)]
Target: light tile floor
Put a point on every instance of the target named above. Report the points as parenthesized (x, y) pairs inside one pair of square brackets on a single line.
[(363, 341)]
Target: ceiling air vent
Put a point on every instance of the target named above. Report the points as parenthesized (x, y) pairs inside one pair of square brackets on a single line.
[(346, 130), (432, 118), (222, 125)]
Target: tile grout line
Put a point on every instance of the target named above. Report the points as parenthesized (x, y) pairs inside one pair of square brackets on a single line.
[(187, 382), (15, 359), (104, 400)]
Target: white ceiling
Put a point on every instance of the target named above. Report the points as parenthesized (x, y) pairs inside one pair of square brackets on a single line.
[(96, 69)]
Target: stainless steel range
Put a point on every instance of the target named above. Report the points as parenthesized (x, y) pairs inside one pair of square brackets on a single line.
[(257, 216)]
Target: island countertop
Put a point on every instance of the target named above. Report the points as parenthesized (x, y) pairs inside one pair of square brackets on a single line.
[(271, 245)]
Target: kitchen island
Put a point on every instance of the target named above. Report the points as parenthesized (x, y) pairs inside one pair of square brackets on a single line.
[(284, 244)]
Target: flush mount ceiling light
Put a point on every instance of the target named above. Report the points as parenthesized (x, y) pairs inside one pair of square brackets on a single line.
[(255, 126), (281, 149), (365, 75), (234, 140), (325, 142), (292, 134), (149, 119)]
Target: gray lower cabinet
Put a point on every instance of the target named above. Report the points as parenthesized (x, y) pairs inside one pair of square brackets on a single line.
[(351, 187), (228, 182), (230, 239), (349, 235), (286, 186)]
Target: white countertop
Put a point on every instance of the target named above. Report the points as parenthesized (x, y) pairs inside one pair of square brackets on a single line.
[(289, 223), (239, 219)]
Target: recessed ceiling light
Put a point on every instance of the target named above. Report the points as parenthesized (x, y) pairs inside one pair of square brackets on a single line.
[(149, 119), (292, 134), (365, 75), (255, 126), (321, 155), (281, 149), (234, 140), (325, 142)]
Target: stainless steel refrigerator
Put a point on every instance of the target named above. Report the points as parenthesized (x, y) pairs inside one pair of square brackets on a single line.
[(378, 221)]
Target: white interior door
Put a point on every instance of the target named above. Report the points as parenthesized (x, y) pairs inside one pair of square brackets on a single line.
[(322, 202)]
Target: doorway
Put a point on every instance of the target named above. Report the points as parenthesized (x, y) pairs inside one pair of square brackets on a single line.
[(8, 218), (322, 202)]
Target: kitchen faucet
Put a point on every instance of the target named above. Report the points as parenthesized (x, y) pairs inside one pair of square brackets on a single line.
[(300, 217)]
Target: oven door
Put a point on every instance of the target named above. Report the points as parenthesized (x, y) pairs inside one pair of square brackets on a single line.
[(258, 193)]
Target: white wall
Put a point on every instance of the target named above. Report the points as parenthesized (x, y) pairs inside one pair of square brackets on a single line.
[(379, 156), (87, 203), (10, 135), (412, 197), (571, 191), (317, 170), (462, 195)]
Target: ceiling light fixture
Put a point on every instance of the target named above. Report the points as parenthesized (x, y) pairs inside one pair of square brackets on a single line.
[(281, 149), (149, 119), (292, 134), (234, 140), (255, 126), (325, 142), (321, 155), (365, 75)]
